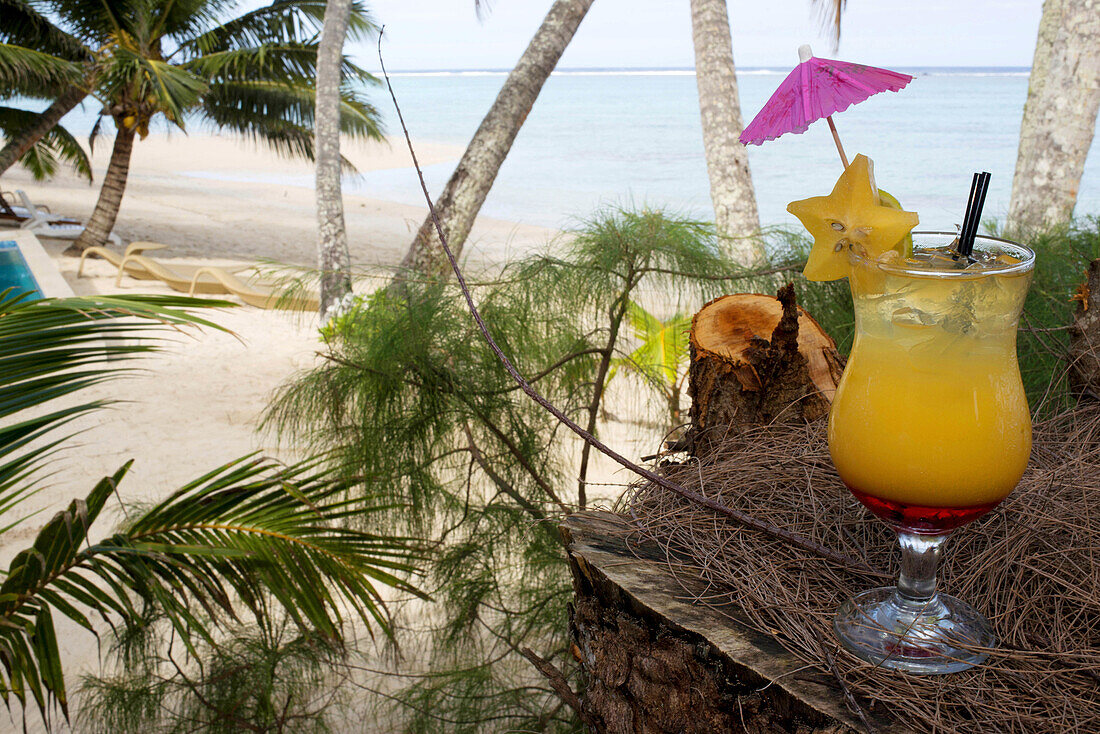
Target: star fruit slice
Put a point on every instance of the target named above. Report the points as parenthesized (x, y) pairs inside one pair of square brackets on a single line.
[(853, 215), (905, 247)]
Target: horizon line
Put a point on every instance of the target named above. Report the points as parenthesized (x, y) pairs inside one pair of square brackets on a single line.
[(766, 67)]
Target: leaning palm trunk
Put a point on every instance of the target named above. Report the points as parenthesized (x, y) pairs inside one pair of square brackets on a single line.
[(334, 259), (735, 214), (103, 217), (1059, 117), (18, 146), (461, 200)]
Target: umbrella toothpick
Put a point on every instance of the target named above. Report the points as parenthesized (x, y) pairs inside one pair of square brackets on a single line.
[(836, 139), (816, 89)]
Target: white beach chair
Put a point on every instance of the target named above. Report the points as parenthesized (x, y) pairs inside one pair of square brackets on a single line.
[(14, 213), (42, 222)]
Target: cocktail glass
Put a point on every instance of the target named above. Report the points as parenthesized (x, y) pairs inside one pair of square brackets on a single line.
[(930, 429)]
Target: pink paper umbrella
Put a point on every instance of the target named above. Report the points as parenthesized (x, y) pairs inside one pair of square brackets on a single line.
[(818, 88)]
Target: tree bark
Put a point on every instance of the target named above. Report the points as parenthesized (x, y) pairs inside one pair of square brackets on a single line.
[(17, 147), (1084, 338), (654, 662), (755, 360), (103, 216), (735, 213), (461, 200), (1059, 116), (334, 259)]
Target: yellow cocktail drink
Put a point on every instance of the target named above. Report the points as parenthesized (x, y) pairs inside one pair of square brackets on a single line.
[(929, 427), (931, 410)]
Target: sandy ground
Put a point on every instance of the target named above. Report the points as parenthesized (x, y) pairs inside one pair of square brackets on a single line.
[(195, 406), (204, 217)]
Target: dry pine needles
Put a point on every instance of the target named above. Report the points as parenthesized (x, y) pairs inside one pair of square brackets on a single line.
[(1032, 566)]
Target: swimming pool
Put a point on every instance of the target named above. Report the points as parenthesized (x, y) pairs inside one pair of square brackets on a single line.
[(14, 271)]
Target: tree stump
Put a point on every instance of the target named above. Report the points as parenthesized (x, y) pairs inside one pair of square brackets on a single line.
[(754, 360), (656, 663), (1084, 339)]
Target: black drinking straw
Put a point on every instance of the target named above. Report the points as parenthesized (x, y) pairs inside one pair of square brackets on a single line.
[(979, 187)]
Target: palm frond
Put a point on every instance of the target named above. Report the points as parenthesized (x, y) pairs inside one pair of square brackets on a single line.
[(25, 26), (281, 115), (55, 147), (280, 22), (52, 348), (154, 85), (239, 538), (830, 12), (175, 89), (97, 22), (185, 19), (28, 72), (289, 62), (282, 62), (242, 535)]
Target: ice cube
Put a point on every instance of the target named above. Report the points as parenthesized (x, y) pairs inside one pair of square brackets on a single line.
[(991, 260), (913, 318), (937, 259), (890, 257)]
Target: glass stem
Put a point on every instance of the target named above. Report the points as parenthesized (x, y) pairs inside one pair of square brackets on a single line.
[(920, 556)]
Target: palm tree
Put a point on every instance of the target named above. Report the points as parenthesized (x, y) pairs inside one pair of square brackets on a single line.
[(38, 60), (253, 74), (1063, 98), (731, 190), (333, 257), (251, 536), (465, 192)]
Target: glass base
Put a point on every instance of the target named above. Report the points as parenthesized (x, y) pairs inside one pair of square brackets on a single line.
[(926, 637)]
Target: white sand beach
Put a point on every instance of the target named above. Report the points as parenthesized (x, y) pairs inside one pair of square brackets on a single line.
[(166, 201), (196, 405)]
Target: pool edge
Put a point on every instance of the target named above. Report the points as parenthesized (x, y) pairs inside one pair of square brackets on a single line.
[(50, 281)]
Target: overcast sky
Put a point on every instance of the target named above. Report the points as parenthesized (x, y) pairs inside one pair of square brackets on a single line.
[(446, 34)]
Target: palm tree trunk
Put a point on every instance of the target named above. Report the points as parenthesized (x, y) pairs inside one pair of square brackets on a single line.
[(468, 186), (731, 191), (334, 260), (17, 147), (103, 217), (1059, 117)]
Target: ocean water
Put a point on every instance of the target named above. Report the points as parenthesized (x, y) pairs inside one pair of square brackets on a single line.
[(607, 137)]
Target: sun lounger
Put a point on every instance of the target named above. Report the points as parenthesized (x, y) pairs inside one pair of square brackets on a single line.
[(133, 269), (176, 278), (45, 224), (9, 212), (12, 213), (260, 296)]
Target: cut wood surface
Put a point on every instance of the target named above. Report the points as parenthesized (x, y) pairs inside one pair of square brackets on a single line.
[(655, 661), (757, 359), (1084, 340)]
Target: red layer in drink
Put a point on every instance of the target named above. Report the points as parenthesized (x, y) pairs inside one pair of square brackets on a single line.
[(924, 520)]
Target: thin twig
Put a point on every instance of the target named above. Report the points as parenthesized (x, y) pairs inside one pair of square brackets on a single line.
[(811, 546), (852, 702), (559, 684)]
